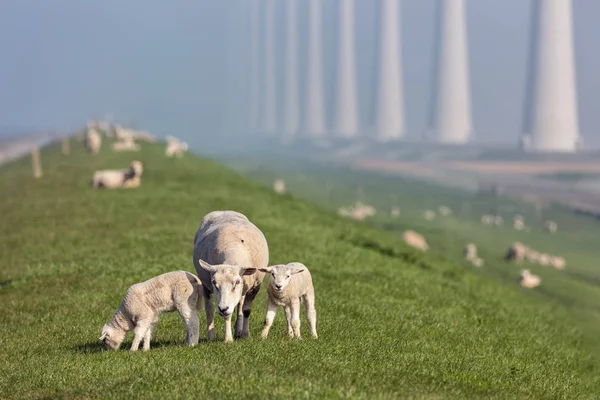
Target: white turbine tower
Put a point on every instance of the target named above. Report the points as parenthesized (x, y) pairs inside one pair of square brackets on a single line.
[(269, 122), (291, 99), (551, 121), (255, 98), (315, 107), (389, 114), (451, 107), (346, 115)]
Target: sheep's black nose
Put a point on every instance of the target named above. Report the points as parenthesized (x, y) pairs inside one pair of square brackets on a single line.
[(223, 309), (278, 287)]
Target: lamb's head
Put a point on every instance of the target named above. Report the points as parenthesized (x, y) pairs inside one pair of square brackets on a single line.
[(227, 284), (281, 274), (112, 337), (137, 167)]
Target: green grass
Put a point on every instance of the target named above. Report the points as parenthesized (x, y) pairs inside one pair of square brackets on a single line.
[(392, 322)]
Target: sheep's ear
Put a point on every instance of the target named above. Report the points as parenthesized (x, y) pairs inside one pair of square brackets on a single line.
[(103, 336), (206, 266), (248, 271), (297, 270), (266, 270)]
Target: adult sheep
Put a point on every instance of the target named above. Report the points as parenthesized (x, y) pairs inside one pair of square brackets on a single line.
[(228, 250)]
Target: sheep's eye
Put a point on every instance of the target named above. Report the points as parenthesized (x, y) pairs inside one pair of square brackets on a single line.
[(287, 276)]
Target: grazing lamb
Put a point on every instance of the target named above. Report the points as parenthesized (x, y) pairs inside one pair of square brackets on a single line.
[(415, 240), (279, 186), (113, 179), (516, 252), (288, 284), (228, 250), (144, 302), (551, 226), (94, 141), (528, 280)]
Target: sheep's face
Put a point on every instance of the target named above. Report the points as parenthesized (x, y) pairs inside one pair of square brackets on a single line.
[(228, 284), (281, 275), (111, 337)]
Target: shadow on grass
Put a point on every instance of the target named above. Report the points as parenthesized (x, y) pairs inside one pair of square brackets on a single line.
[(98, 347), (408, 257)]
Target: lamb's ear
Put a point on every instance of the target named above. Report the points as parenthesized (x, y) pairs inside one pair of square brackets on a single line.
[(297, 270), (266, 270), (206, 266), (103, 336), (248, 271)]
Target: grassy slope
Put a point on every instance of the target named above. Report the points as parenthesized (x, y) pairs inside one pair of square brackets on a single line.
[(391, 322)]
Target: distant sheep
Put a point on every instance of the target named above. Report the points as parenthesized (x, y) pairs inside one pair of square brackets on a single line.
[(551, 226), (518, 224), (444, 211), (429, 215), (478, 262), (544, 259), (528, 280), (415, 240), (487, 219), (532, 256), (114, 179), (498, 220), (125, 145), (516, 252), (279, 186), (228, 250), (94, 141), (558, 262), (144, 302), (289, 284), (395, 212), (175, 147), (470, 251)]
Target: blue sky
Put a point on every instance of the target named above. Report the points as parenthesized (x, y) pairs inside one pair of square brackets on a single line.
[(179, 67)]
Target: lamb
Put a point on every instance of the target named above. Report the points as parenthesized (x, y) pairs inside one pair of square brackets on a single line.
[(228, 250), (113, 179), (528, 280), (415, 240), (144, 302), (126, 145), (558, 262), (470, 251), (94, 141), (288, 284), (175, 147)]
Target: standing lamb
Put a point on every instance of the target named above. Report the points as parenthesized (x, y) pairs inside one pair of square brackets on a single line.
[(228, 250), (94, 141), (551, 226), (470, 251), (415, 240), (144, 302), (288, 284)]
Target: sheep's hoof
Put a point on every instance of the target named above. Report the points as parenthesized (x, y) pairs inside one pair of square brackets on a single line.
[(228, 340)]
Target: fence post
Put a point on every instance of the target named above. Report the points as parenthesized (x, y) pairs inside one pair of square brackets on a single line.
[(36, 163)]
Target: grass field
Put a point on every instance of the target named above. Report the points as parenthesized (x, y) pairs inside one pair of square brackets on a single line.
[(392, 322)]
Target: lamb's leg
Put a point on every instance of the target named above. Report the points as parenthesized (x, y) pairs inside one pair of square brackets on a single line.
[(189, 315), (250, 296), (271, 312), (295, 308), (138, 334), (288, 318), (239, 320), (210, 314), (311, 313), (228, 335), (148, 335)]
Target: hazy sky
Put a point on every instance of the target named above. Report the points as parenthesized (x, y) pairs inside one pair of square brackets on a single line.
[(180, 67)]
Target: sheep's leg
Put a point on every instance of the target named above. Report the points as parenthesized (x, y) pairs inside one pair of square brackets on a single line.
[(210, 314), (148, 335), (250, 296), (288, 318), (311, 313), (138, 334), (239, 320), (271, 312), (189, 315), (295, 308), (228, 335)]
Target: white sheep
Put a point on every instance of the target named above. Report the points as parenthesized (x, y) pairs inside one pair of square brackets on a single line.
[(175, 147), (279, 186), (415, 240), (429, 215), (470, 251), (288, 285), (144, 302), (93, 141), (544, 259), (228, 250), (518, 224), (528, 280), (551, 226), (516, 252), (395, 212), (487, 219), (478, 262), (125, 178), (532, 256), (498, 220), (558, 262), (444, 211)]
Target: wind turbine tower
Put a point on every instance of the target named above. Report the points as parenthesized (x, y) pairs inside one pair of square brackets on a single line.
[(551, 121), (451, 120), (269, 122), (291, 96), (315, 102)]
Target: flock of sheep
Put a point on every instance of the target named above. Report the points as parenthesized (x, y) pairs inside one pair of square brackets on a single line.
[(517, 252), (231, 258)]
